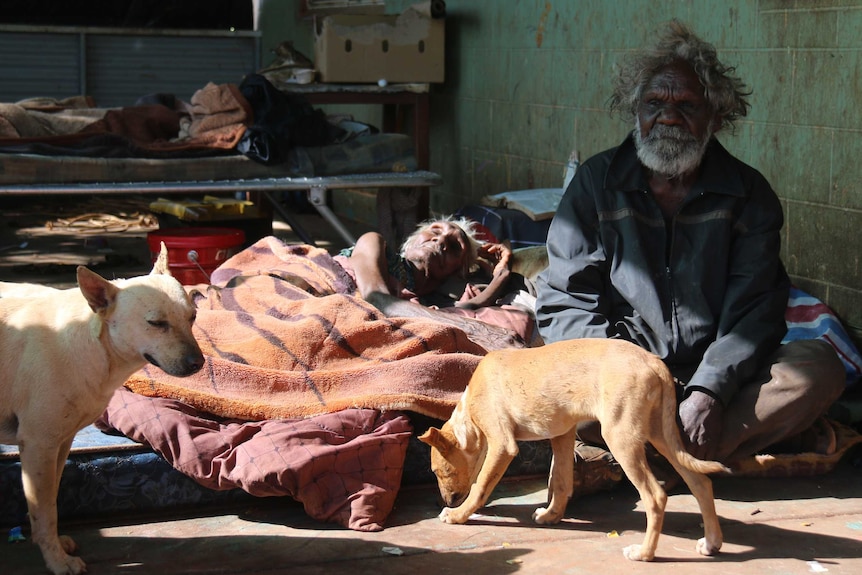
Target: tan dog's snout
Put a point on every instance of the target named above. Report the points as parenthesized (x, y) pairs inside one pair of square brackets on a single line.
[(455, 499), (455, 470)]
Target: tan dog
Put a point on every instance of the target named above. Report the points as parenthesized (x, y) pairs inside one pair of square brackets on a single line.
[(63, 353), (542, 393)]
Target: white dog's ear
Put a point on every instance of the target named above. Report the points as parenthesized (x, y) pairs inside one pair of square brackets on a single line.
[(161, 266), (99, 292)]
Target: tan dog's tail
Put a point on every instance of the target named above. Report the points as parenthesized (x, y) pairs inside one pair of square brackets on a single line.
[(671, 433)]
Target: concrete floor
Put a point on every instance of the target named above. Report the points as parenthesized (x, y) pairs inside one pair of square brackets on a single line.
[(781, 526)]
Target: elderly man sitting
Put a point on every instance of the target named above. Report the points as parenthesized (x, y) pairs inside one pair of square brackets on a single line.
[(671, 242)]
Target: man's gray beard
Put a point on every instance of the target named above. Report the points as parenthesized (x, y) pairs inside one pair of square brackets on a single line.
[(670, 151)]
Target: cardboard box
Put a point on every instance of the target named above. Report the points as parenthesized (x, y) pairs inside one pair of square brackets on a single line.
[(406, 47)]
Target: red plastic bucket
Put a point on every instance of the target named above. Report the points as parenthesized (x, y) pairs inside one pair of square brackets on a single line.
[(193, 253)]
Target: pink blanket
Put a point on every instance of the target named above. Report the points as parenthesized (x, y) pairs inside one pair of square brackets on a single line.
[(344, 467)]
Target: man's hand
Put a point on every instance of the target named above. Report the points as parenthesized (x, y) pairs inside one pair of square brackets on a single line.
[(701, 417)]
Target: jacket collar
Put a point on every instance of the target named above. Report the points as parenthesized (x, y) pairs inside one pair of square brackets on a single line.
[(719, 173)]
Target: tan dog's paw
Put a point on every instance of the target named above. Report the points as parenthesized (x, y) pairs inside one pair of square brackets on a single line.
[(71, 565), (705, 548), (543, 516), (635, 553), (451, 516)]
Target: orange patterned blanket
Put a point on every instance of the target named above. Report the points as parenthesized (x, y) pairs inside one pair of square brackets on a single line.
[(285, 337)]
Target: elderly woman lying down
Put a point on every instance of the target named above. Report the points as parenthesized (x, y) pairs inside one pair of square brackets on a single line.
[(443, 255)]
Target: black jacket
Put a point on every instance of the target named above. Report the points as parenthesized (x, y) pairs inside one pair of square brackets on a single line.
[(706, 292)]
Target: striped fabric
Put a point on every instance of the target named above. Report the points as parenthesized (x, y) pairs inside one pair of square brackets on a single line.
[(809, 318)]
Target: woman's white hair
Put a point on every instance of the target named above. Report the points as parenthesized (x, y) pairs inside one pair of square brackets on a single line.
[(470, 229)]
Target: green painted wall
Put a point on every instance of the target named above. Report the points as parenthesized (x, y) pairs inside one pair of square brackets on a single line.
[(527, 82)]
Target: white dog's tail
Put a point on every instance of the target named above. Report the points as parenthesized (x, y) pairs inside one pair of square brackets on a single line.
[(671, 432)]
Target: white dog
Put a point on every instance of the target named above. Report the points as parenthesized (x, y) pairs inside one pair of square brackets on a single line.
[(63, 353)]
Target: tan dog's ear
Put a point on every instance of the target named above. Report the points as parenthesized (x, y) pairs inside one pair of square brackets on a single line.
[(99, 292), (435, 439), (461, 427), (161, 266), (465, 435)]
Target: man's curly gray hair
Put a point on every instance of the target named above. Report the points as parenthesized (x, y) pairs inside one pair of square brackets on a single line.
[(467, 226), (725, 92)]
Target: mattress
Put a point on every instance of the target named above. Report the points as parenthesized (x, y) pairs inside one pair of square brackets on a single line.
[(108, 475)]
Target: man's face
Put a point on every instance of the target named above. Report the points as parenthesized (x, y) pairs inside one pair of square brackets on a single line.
[(674, 121), (439, 250)]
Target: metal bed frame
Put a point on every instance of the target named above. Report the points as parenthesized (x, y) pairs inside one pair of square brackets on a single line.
[(316, 187)]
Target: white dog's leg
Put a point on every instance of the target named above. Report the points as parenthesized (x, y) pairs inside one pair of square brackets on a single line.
[(39, 466)]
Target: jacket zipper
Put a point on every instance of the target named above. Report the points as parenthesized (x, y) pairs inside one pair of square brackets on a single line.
[(674, 344)]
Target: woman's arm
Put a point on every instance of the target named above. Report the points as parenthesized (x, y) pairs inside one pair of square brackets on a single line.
[(487, 296), (488, 336), (496, 259), (370, 266)]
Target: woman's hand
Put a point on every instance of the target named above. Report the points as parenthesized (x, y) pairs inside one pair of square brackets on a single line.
[(470, 291), (474, 297), (497, 254)]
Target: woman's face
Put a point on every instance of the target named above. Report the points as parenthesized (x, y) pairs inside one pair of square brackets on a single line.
[(439, 250)]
